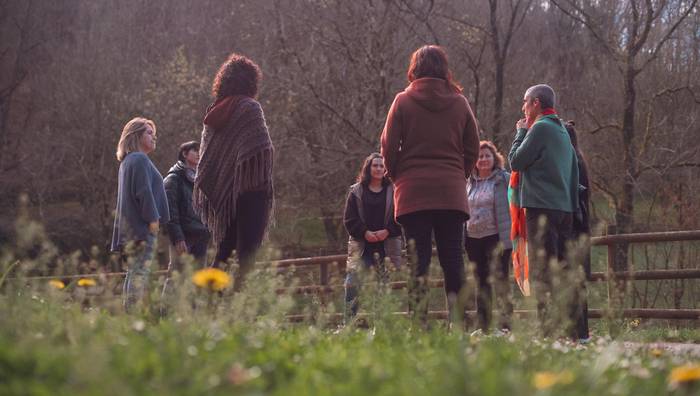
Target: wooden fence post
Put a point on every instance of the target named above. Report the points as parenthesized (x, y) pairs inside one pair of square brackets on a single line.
[(612, 250), (323, 281)]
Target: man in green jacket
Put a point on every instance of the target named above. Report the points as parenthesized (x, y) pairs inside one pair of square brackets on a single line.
[(543, 154)]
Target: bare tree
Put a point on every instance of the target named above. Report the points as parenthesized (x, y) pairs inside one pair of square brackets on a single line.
[(504, 21), (633, 34), (342, 63)]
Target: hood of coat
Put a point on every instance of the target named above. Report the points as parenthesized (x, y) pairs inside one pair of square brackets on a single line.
[(180, 169), (433, 94)]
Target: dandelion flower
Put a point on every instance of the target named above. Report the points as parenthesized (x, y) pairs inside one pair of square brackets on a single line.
[(684, 374), (547, 379), (57, 284), (86, 282), (656, 352), (138, 325), (239, 375), (212, 279), (544, 380)]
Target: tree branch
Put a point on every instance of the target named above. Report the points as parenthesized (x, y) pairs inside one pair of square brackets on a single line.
[(425, 19), (585, 21), (668, 34), (672, 91), (599, 125), (463, 22)]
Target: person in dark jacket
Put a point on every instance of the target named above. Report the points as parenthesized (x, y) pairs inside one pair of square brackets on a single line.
[(487, 239), (582, 231), (141, 207), (187, 233), (430, 144), (374, 234), (185, 229)]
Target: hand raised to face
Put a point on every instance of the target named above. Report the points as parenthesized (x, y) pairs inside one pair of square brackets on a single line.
[(522, 123)]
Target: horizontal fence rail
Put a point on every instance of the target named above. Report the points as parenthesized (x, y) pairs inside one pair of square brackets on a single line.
[(647, 237), (338, 261), (643, 313)]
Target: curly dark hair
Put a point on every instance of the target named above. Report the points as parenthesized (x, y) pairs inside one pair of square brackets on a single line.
[(365, 175), (237, 76)]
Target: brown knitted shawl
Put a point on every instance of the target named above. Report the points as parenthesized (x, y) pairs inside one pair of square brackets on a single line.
[(235, 157)]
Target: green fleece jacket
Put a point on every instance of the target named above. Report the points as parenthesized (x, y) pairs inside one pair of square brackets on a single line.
[(547, 164)]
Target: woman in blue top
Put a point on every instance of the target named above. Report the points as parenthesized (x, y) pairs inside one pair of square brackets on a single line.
[(487, 240), (141, 206)]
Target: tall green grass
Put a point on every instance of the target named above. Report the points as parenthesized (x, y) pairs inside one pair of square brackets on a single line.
[(78, 341)]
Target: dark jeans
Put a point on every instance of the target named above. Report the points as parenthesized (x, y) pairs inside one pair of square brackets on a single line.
[(448, 227), (582, 330), (197, 247), (548, 231), (490, 259), (245, 233)]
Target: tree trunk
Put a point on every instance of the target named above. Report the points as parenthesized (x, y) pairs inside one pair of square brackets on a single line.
[(625, 207), (497, 134)]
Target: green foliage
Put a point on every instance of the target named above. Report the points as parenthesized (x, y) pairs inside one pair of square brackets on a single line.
[(175, 98), (77, 340), (50, 346)]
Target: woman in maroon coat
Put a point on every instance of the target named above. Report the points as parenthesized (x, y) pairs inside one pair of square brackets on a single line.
[(430, 144)]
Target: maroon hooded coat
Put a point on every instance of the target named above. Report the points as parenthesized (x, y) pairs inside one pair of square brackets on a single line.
[(430, 145)]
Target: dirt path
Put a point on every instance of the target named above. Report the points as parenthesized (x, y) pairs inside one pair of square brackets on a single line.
[(668, 347)]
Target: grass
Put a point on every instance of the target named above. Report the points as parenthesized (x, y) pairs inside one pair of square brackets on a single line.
[(78, 341), (51, 345)]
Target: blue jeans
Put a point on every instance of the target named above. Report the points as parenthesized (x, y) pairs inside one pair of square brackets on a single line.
[(139, 271), (353, 282)]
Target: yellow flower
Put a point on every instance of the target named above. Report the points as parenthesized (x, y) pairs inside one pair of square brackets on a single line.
[(547, 379), (86, 282), (656, 352), (57, 284), (684, 374), (212, 279)]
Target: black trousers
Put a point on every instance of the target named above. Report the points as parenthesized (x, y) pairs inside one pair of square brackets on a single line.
[(582, 330), (555, 286), (448, 228), (245, 233), (488, 260)]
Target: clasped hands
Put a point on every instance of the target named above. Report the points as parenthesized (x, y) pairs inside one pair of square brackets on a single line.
[(376, 236)]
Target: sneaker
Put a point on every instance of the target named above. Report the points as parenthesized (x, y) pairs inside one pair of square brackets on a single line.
[(477, 333), (501, 333)]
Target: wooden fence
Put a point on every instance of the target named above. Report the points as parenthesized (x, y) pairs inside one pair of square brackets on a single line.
[(325, 264)]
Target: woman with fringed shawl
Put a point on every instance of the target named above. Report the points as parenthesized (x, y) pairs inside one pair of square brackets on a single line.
[(233, 190)]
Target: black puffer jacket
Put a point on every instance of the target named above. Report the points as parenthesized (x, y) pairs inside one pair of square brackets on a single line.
[(185, 224)]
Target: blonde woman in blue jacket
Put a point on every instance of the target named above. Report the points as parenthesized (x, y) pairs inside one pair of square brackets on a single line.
[(142, 207)]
